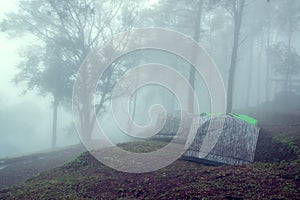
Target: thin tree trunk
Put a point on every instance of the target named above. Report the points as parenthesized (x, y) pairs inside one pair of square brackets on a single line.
[(132, 119), (238, 14), (210, 36), (259, 61), (173, 97), (134, 105), (196, 37), (54, 123), (286, 83), (250, 72), (88, 121), (268, 64)]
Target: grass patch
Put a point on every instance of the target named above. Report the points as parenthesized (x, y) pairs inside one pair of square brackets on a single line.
[(86, 178), (143, 147)]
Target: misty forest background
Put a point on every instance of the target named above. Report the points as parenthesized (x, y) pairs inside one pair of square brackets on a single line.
[(255, 44)]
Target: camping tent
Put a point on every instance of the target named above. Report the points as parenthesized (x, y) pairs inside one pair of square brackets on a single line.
[(220, 138), (233, 143)]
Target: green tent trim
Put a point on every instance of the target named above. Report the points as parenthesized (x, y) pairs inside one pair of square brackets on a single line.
[(245, 118)]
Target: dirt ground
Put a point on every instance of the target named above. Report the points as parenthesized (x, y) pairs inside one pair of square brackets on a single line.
[(86, 178), (17, 170)]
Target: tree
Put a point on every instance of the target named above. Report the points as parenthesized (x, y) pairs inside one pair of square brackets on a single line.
[(236, 8), (269, 22), (288, 17), (186, 17), (197, 28), (285, 61), (258, 28), (67, 31)]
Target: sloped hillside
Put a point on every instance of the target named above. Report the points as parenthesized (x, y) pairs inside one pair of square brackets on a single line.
[(86, 178)]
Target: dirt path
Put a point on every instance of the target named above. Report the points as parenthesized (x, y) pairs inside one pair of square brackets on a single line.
[(19, 169)]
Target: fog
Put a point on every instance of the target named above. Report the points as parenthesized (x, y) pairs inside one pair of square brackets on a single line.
[(43, 46)]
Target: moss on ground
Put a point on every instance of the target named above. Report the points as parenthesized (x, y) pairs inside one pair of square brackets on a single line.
[(276, 147)]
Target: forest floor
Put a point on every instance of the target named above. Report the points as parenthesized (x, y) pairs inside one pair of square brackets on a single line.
[(275, 174)]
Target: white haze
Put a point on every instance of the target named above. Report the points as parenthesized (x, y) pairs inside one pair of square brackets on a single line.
[(26, 119)]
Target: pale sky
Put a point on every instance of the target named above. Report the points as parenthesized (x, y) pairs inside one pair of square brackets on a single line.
[(31, 108), (9, 57)]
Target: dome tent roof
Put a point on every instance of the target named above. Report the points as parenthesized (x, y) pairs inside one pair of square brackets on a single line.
[(233, 143), (220, 138)]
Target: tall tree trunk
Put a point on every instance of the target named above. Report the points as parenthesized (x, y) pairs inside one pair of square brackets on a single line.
[(210, 36), (132, 118), (134, 105), (287, 77), (54, 123), (259, 53), (196, 37), (268, 64), (86, 117), (250, 73), (237, 15), (173, 98)]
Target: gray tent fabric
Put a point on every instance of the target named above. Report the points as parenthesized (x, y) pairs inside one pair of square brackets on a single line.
[(235, 145), (219, 139), (172, 124)]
